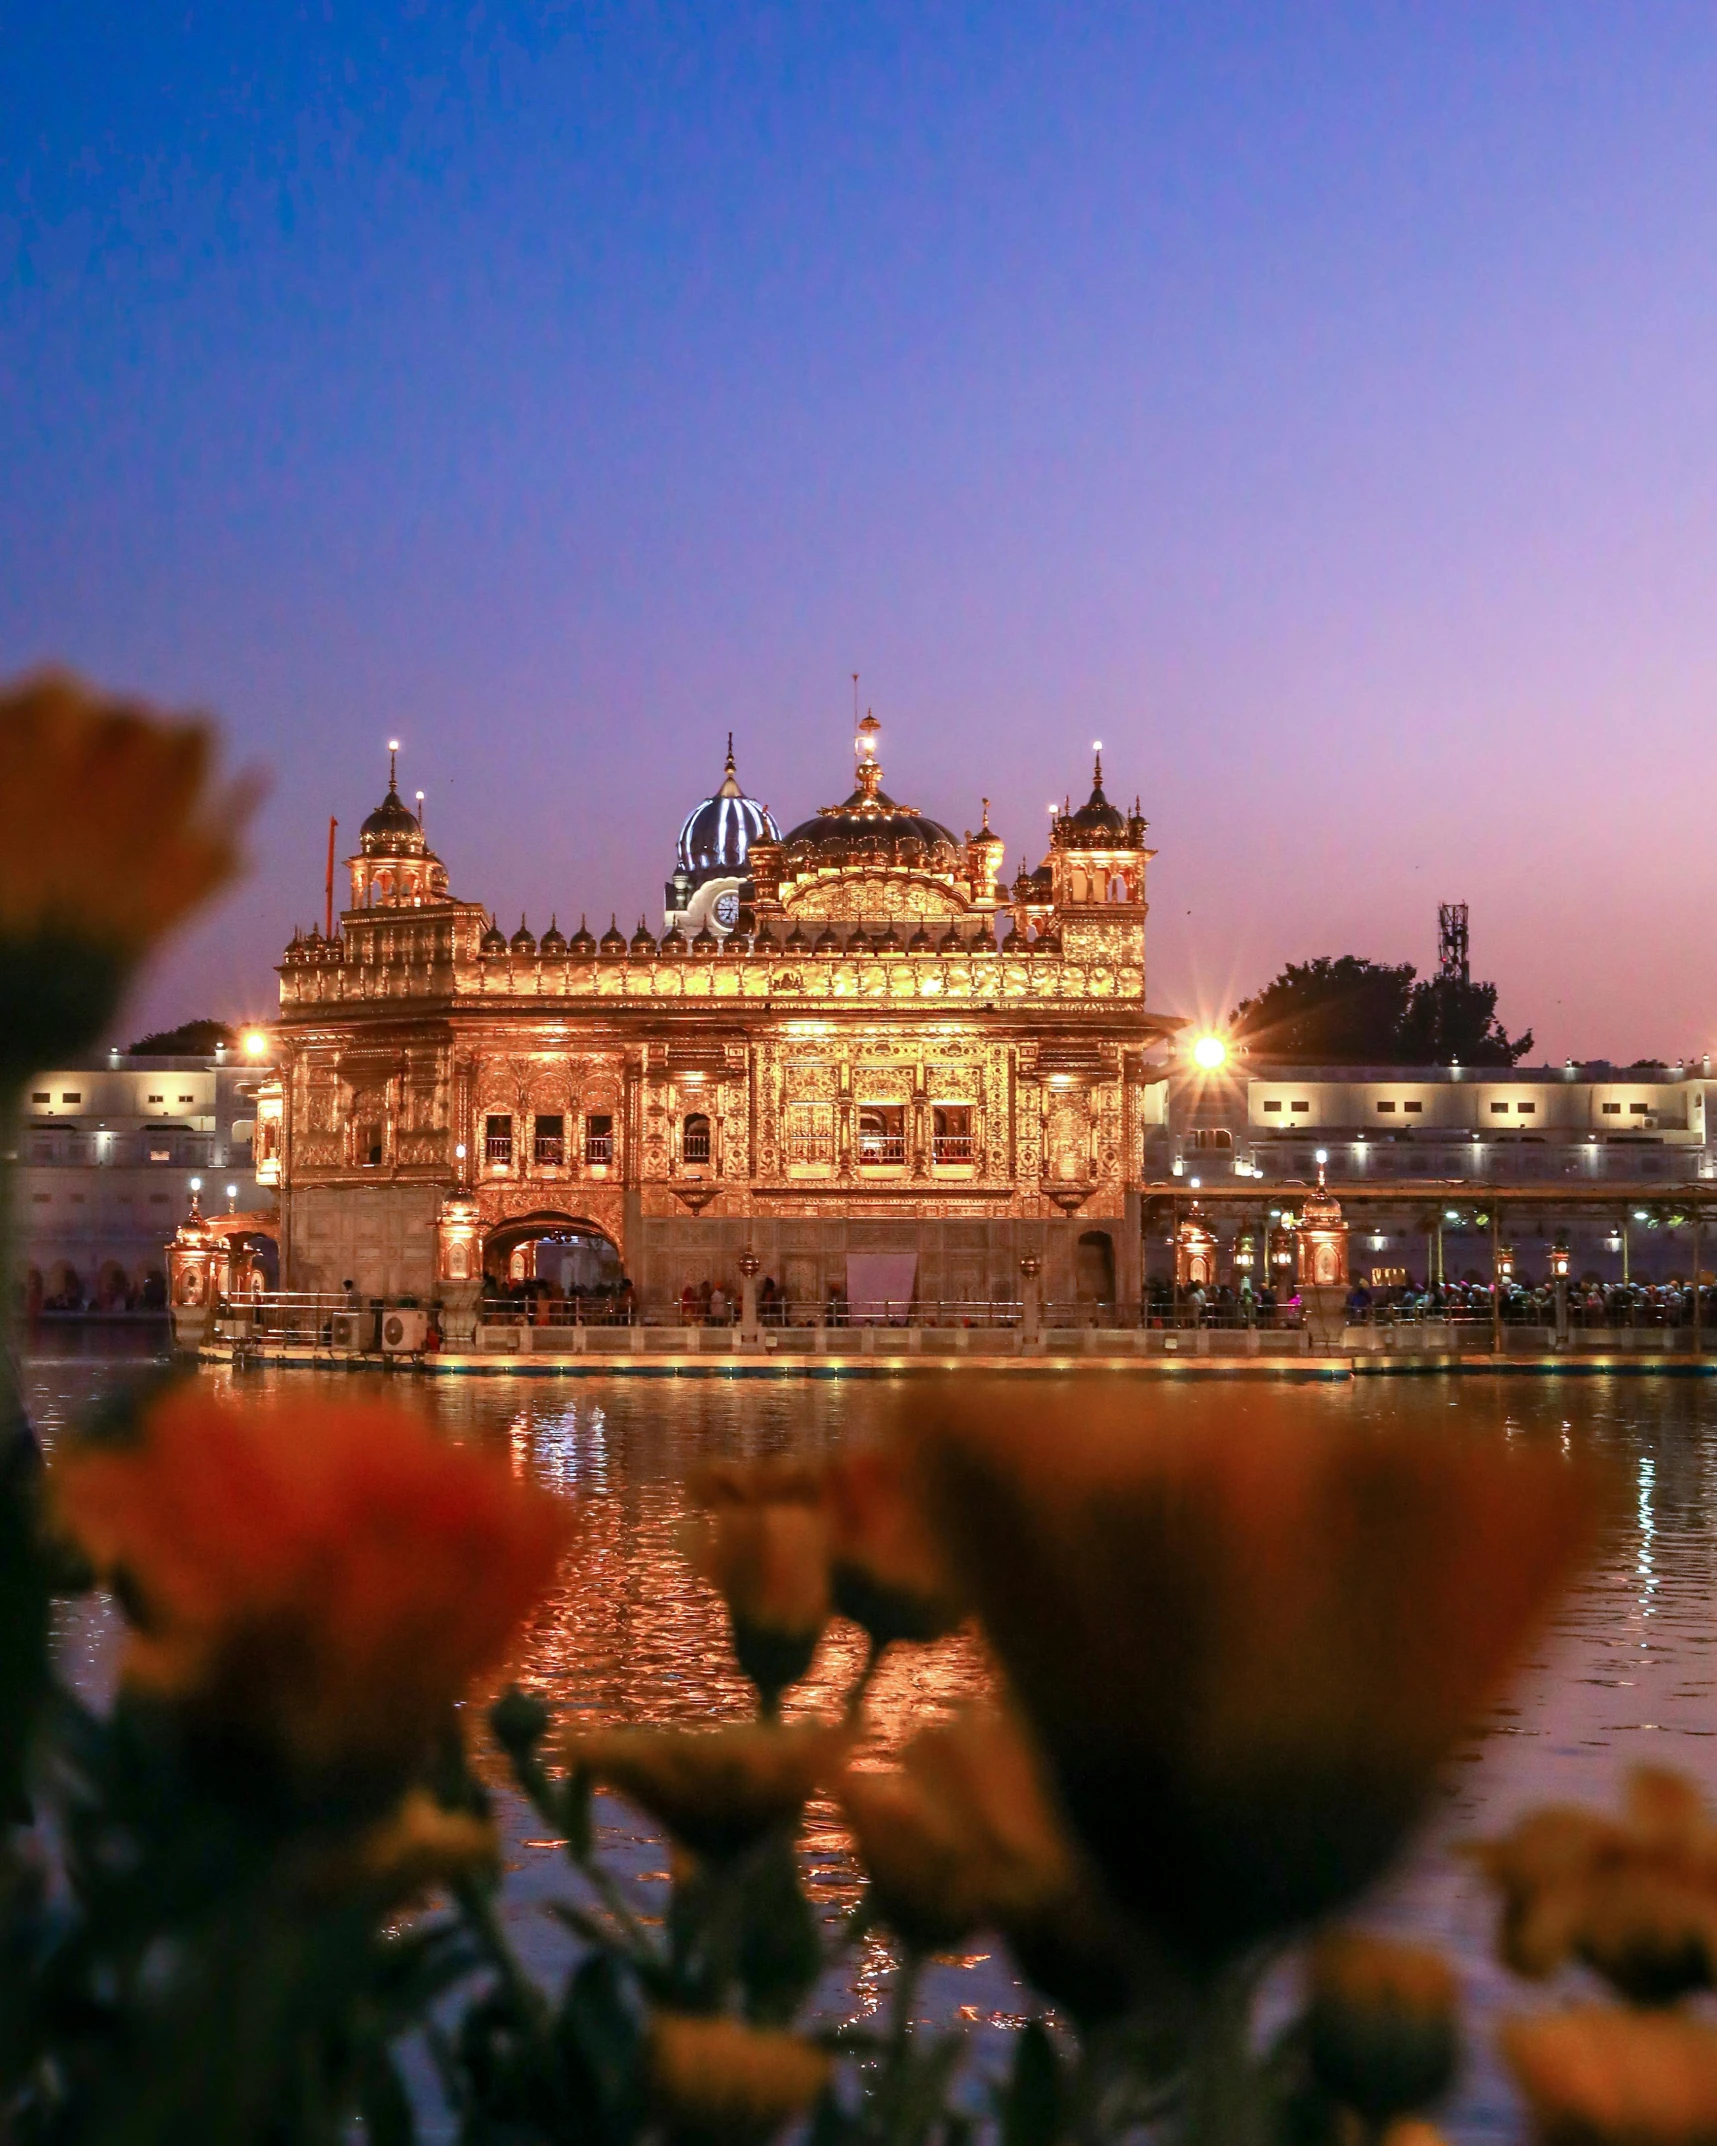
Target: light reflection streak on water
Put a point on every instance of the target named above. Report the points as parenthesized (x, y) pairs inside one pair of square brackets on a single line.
[(630, 1634)]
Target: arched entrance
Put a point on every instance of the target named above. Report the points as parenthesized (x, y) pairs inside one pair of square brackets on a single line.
[(254, 1263), (564, 1256), (1094, 1267)]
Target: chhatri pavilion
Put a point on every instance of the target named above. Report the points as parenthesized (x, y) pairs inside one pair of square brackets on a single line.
[(856, 1040)]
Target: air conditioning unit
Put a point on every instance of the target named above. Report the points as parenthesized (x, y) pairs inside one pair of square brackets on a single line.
[(404, 1332), (354, 1331)]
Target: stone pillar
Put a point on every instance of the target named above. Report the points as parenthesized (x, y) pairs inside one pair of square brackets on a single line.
[(459, 1269), (459, 1303)]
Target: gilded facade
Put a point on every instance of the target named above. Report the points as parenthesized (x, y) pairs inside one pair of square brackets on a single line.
[(872, 1042)]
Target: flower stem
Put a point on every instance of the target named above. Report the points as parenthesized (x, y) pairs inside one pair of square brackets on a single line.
[(1221, 2104), (15, 1431), (855, 1698)]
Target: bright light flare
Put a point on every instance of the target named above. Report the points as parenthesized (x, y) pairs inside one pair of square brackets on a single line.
[(1210, 1053), (255, 1043)]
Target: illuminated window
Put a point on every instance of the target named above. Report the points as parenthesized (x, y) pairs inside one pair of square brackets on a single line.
[(1635, 1110), (694, 1138), (41, 1095), (1496, 1109), (498, 1142), (951, 1132), (599, 1139), (549, 1138), (368, 1142), (1526, 1109), (810, 1135), (1299, 1106), (1612, 1110), (76, 1096), (882, 1132), (1213, 1136)]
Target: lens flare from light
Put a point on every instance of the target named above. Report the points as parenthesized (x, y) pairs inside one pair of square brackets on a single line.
[(1209, 1053), (255, 1043)]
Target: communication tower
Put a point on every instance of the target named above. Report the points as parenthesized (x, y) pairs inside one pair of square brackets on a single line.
[(1452, 941)]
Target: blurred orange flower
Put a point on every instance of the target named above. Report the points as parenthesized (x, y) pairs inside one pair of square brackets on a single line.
[(960, 1836), (716, 1790), (1245, 1653), (1593, 2077), (763, 1543), (108, 829), (888, 1573), (1636, 1898), (1381, 2023), (313, 1586), (718, 2079)]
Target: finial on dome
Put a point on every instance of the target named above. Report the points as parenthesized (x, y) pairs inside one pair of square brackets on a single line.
[(864, 747), (986, 826), (393, 763), (1097, 775)]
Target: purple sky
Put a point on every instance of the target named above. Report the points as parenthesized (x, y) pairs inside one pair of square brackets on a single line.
[(1315, 404)]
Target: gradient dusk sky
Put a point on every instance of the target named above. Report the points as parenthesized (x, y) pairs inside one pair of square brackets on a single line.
[(1316, 403)]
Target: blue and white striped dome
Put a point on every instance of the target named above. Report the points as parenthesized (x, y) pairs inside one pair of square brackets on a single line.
[(717, 837)]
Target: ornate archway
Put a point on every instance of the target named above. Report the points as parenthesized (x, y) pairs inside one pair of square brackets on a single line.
[(571, 1253)]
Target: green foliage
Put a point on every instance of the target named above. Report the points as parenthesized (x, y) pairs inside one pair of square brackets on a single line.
[(191, 1039), (1346, 1010)]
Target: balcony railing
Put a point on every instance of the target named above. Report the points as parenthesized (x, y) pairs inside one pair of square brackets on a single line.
[(882, 1148), (599, 1148), (952, 1147), (550, 1148), (498, 1151)]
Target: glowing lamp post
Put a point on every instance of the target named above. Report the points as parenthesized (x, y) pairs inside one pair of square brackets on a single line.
[(1031, 1300), (750, 1330), (1561, 1262), (1322, 1250), (196, 1274)]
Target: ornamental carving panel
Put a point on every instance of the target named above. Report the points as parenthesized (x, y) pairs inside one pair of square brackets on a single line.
[(850, 898)]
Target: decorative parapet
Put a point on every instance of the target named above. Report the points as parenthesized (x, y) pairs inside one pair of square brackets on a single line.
[(982, 975)]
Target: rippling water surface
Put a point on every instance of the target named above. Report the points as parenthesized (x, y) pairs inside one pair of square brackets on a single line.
[(1624, 1675)]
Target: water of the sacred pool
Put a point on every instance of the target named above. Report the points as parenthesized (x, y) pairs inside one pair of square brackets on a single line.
[(1623, 1676)]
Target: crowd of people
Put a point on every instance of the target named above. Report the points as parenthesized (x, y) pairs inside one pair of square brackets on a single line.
[(112, 1294), (611, 1303), (1591, 1303)]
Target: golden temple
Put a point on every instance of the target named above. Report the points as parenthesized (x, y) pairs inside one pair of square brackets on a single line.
[(853, 1039)]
